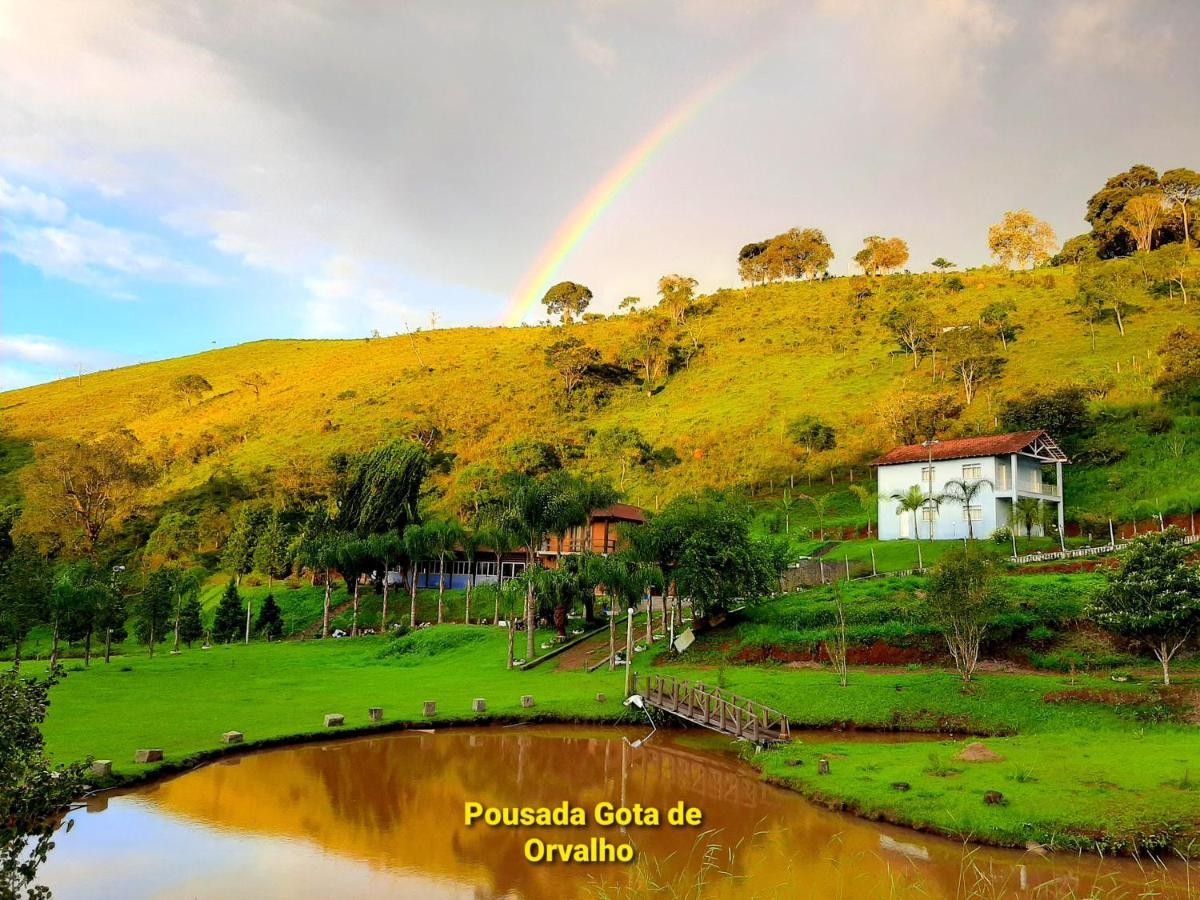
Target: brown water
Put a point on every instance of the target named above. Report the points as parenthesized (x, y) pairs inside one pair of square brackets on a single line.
[(383, 816)]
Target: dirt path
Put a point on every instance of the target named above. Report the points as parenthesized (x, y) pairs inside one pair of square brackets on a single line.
[(334, 611)]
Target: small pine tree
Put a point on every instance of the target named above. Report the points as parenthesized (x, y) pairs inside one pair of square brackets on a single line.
[(190, 626), (270, 620), (227, 624)]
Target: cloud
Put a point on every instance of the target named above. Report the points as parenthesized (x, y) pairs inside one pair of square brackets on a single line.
[(1111, 34), (593, 51), (347, 298), (20, 201), (100, 256), (27, 359)]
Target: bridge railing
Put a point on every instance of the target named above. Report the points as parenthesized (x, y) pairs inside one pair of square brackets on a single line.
[(717, 708)]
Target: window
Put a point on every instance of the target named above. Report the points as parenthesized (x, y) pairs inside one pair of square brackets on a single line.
[(973, 513), (462, 567), (928, 513), (927, 473), (972, 472), (486, 569), (513, 569)]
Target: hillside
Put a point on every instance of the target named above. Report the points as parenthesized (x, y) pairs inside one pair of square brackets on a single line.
[(767, 355)]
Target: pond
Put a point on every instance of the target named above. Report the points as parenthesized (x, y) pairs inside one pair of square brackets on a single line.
[(384, 816)]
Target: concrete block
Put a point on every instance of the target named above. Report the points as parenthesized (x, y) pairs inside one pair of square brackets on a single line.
[(232, 737), (600, 698), (527, 701), (333, 720), (478, 705), (375, 713), (429, 708), (102, 767), (147, 756)]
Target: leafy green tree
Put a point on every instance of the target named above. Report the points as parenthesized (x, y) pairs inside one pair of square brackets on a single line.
[(248, 524), (1182, 188), (1110, 288), (388, 549), (191, 626), (1106, 206), (567, 300), (626, 445), (812, 434), (1062, 411), (77, 591), (962, 596), (969, 353), (1178, 379), (444, 537), (752, 263), (270, 620), (911, 501), (797, 253), (190, 387), (227, 623), (25, 585), (272, 554), (964, 492), (111, 614), (355, 558), (677, 295), (316, 548), (417, 543), (942, 264), (912, 326), (1153, 597), (382, 489), (571, 359), (33, 791), (1028, 513), (625, 579), (154, 606), (996, 318)]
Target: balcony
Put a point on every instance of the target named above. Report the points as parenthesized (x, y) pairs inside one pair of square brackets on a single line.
[(570, 544)]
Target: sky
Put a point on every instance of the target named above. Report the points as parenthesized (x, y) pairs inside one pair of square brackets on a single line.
[(181, 176)]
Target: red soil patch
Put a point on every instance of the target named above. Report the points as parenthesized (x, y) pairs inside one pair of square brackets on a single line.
[(879, 653)]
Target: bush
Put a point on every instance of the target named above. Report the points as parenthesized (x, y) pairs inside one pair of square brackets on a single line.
[(1103, 450), (1155, 420)]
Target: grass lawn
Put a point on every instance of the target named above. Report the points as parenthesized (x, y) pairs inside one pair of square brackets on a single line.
[(1072, 770)]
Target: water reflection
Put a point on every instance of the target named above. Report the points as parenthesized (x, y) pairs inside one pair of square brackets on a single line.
[(384, 816)]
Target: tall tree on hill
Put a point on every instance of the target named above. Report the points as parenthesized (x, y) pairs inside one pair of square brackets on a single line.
[(752, 262), (355, 558), (1153, 597), (186, 606), (648, 350), (911, 324), (416, 547), (1022, 239), (1110, 287), (190, 387), (880, 254), (25, 584), (996, 318), (1106, 206), (912, 416), (1178, 380), (227, 622), (571, 359), (1182, 187), (567, 300), (152, 610), (316, 547), (388, 548), (1141, 218), (797, 253), (677, 295), (248, 524), (970, 354), (270, 620)]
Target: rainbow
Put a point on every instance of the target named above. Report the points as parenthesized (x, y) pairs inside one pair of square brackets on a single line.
[(575, 226)]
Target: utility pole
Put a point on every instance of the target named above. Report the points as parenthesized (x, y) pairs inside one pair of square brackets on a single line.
[(629, 652)]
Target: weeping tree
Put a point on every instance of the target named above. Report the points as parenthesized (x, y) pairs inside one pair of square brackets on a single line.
[(382, 489)]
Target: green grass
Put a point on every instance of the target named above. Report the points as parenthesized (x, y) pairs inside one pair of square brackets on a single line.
[(1102, 770)]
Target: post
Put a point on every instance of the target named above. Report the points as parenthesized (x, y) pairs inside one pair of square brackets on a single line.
[(821, 563), (920, 559), (873, 571), (847, 559), (1012, 533), (1062, 503), (629, 652)]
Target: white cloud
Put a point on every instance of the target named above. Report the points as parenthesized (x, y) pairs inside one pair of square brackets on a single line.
[(27, 359), (107, 258), (21, 201), (1110, 33), (347, 298), (593, 51)]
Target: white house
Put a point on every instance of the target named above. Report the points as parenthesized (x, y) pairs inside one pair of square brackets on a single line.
[(1013, 465)]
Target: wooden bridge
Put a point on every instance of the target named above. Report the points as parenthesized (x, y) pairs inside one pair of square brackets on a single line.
[(717, 709)]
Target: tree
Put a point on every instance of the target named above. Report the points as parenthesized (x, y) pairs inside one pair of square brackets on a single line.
[(912, 325), (471, 542), (942, 264), (270, 619), (444, 538), (1075, 251), (272, 555), (677, 294), (786, 506), (1178, 379), (1169, 267), (996, 320), (1110, 287), (316, 548), (629, 304), (964, 493), (648, 350), (881, 254), (1062, 411), (627, 445), (868, 500), (1027, 512), (797, 253), (248, 523), (567, 300), (968, 353), (812, 434), (227, 622), (255, 381), (382, 488), (354, 559), (914, 416), (33, 791), (910, 501), (839, 646), (719, 562), (501, 542), (820, 505), (25, 584), (625, 580), (84, 485), (1021, 239), (190, 387), (1106, 206), (1182, 187), (190, 626), (962, 596), (1153, 597), (387, 548), (752, 264), (1141, 218), (417, 548), (111, 615), (571, 359), (155, 605)]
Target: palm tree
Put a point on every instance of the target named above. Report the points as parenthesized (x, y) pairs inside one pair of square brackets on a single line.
[(963, 492), (387, 547), (1028, 512), (909, 502), (354, 557), (416, 548), (472, 543), (500, 541), (787, 506), (820, 505), (625, 580), (444, 538), (868, 499)]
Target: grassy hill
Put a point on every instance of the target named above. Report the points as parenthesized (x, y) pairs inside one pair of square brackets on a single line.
[(767, 355)]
